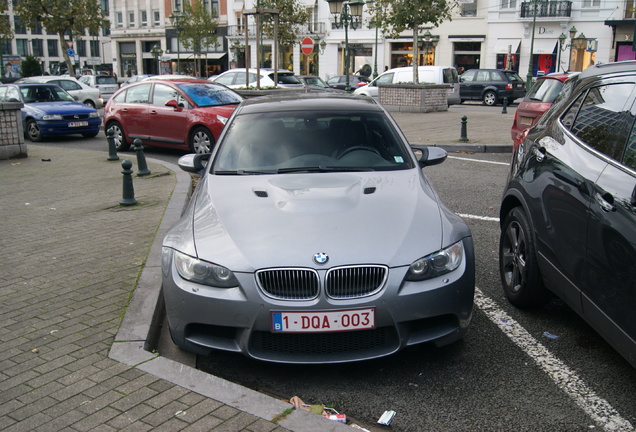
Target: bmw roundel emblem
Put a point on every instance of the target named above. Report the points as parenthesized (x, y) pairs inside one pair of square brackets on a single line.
[(321, 258)]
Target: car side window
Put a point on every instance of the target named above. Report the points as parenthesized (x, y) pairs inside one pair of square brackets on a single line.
[(483, 76), (13, 95), (385, 78), (138, 94), (629, 157), (602, 121), (67, 85), (162, 94), (226, 79)]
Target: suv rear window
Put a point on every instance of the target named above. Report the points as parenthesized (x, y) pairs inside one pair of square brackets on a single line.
[(284, 78), (545, 90), (514, 77), (105, 80)]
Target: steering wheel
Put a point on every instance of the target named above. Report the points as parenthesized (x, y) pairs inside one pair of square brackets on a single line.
[(356, 148)]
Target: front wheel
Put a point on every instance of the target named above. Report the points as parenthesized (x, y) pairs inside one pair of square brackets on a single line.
[(89, 103), (121, 144), (490, 98), (201, 140), (518, 265), (33, 131)]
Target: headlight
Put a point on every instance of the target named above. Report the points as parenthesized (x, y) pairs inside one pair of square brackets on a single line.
[(204, 273), (437, 264), (221, 119), (94, 114), (52, 117)]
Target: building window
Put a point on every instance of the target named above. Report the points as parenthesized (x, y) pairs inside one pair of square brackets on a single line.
[(131, 19), (469, 9), (508, 4), (94, 44), (120, 19), (178, 5), (156, 17), (143, 18), (5, 47), (51, 46), (591, 3), (22, 46), (18, 26), (81, 48), (38, 47), (105, 7), (37, 29)]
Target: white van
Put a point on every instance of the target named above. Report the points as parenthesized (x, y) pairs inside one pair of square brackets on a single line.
[(426, 74)]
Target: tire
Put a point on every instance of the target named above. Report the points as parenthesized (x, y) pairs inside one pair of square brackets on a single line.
[(33, 132), (490, 98), (518, 266), (90, 134), (201, 140), (121, 143), (89, 103)]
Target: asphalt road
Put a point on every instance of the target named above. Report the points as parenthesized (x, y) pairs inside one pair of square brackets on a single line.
[(537, 370)]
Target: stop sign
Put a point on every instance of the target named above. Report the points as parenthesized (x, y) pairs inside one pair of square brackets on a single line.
[(307, 45)]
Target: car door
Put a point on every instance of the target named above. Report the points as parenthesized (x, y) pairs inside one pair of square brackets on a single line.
[(609, 285), (168, 124), (133, 115), (466, 85)]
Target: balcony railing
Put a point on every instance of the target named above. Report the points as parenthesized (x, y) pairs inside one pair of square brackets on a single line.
[(304, 30), (546, 9)]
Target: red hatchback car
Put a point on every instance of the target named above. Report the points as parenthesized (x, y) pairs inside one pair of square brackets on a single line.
[(537, 101), (182, 114)]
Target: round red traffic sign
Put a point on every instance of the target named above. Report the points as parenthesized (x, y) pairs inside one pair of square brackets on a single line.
[(307, 45)]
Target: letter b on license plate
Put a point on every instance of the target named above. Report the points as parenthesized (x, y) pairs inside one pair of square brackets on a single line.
[(326, 321)]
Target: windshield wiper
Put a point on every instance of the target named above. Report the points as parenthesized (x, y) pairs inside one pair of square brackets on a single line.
[(244, 172), (322, 168)]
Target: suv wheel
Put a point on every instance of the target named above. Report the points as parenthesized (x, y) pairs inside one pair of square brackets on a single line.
[(518, 266), (490, 98)]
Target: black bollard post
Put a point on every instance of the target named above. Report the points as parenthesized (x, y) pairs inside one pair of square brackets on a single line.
[(128, 191), (112, 150), (504, 110), (141, 159), (464, 137)]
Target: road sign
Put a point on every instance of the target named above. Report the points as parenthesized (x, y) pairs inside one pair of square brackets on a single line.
[(307, 45), (71, 53), (591, 45)]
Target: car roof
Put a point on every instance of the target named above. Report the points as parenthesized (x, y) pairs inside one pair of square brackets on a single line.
[(609, 68), (559, 76), (311, 101)]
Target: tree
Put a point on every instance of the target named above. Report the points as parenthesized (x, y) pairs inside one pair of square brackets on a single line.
[(31, 66), (396, 16), (291, 16), (6, 32), (198, 29), (63, 17)]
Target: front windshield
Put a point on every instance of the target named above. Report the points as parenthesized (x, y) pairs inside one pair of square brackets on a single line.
[(210, 94), (310, 141), (45, 93)]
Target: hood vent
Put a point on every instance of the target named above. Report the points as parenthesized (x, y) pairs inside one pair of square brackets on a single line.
[(261, 193)]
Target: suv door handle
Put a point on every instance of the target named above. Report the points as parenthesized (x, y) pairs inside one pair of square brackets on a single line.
[(606, 202), (539, 153)]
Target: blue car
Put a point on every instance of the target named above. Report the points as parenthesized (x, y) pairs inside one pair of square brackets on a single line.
[(51, 111)]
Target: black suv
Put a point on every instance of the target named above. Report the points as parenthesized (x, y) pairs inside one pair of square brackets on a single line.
[(568, 213), (491, 86)]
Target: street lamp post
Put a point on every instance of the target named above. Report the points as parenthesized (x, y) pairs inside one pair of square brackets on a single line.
[(346, 14), (375, 49), (575, 42), (157, 52), (530, 61), (175, 17)]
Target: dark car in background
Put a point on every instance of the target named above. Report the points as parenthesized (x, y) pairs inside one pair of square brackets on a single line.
[(185, 114), (568, 213), (355, 81), (316, 84), (491, 86), (279, 255), (49, 111), (537, 101)]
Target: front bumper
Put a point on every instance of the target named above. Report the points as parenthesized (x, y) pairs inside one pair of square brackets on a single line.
[(202, 318)]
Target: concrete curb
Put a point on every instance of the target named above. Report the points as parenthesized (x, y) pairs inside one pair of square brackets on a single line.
[(135, 331)]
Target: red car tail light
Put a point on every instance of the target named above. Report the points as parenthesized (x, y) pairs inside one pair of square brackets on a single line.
[(521, 136), (508, 86)]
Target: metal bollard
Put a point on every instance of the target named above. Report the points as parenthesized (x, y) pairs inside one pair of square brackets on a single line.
[(128, 191), (464, 137), (112, 150), (141, 159), (504, 110)]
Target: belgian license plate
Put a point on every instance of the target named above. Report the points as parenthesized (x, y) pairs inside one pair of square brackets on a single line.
[(325, 321), (526, 121), (78, 124)]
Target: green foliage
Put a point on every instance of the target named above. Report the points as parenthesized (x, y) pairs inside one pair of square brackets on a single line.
[(291, 16), (31, 66), (198, 28), (6, 32), (63, 17)]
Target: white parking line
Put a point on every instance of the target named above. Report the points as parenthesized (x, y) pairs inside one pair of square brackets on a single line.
[(484, 218), (596, 407), (478, 160)]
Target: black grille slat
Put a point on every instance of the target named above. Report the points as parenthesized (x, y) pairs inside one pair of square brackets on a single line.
[(291, 284), (351, 282)]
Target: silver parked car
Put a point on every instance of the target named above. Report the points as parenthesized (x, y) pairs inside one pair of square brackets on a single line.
[(106, 84), (313, 236), (80, 91)]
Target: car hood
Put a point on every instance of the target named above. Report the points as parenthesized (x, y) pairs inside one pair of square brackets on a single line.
[(258, 221), (62, 108)]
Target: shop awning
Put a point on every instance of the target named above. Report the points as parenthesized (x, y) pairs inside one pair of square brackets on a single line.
[(502, 46), (544, 46), (214, 55)]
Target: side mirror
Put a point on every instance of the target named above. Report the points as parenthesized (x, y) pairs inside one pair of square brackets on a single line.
[(194, 163), (428, 155), (172, 103)]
